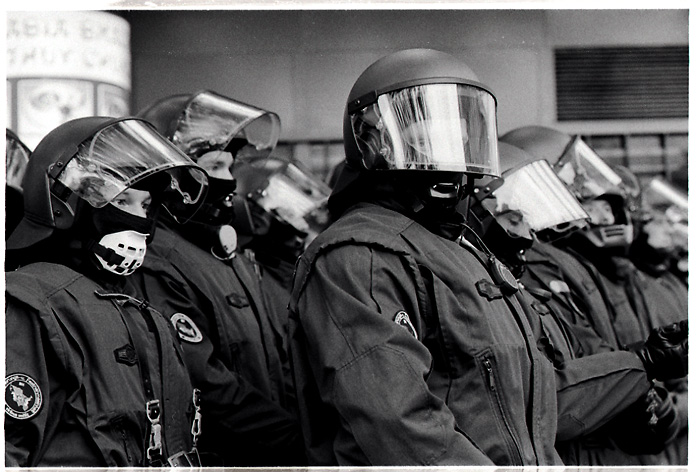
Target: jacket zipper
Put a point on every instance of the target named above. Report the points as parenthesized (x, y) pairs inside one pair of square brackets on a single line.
[(491, 381), (117, 424)]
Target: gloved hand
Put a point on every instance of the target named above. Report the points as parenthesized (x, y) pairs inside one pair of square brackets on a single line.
[(648, 425), (665, 352)]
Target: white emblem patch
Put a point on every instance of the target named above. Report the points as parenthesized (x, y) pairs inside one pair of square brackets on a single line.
[(23, 397), (186, 328), (558, 286), (402, 319)]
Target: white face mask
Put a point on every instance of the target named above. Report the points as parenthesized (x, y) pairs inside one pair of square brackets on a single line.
[(131, 245)]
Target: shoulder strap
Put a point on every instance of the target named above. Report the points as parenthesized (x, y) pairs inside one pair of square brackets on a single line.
[(154, 447)]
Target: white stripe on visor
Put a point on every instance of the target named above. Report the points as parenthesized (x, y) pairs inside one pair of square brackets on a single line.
[(448, 127), (211, 121), (536, 191), (124, 153)]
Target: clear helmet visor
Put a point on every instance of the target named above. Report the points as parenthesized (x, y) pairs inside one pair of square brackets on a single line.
[(668, 204), (296, 198), (585, 174), (446, 127), (544, 201), (16, 158), (661, 195), (211, 121), (124, 154)]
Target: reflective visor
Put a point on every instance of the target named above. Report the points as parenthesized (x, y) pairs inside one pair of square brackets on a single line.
[(296, 198), (16, 158), (127, 152), (585, 173), (447, 127), (211, 121), (536, 191), (659, 193)]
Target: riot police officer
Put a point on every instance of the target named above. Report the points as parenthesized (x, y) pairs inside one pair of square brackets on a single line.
[(405, 348), (95, 377), (280, 208), (196, 274), (637, 304), (598, 385)]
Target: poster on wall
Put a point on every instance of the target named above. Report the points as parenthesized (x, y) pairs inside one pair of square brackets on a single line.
[(65, 65), (112, 100), (43, 104)]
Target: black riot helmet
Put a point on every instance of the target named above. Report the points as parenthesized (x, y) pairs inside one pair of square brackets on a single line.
[(88, 162), (207, 121), (281, 206), (585, 174), (576, 164), (417, 111), (222, 129), (528, 198), (668, 204), (16, 158)]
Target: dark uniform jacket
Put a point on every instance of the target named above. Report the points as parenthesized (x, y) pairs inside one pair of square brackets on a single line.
[(232, 348), (76, 361), (572, 337), (405, 352), (638, 303)]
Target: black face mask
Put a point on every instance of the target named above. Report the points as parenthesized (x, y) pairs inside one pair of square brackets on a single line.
[(281, 241), (217, 209), (436, 201), (82, 240), (111, 219), (653, 260)]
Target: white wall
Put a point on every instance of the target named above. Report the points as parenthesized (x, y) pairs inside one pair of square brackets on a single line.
[(301, 64)]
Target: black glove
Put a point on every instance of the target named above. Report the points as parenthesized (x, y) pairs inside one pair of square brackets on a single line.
[(648, 425), (665, 352)]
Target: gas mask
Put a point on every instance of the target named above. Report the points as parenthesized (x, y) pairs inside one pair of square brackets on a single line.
[(610, 225)]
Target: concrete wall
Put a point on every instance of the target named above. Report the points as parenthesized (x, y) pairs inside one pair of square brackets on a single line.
[(302, 63)]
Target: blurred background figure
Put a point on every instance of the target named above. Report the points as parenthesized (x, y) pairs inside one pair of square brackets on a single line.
[(95, 376), (660, 248), (637, 303), (598, 387), (16, 157), (197, 275), (280, 208)]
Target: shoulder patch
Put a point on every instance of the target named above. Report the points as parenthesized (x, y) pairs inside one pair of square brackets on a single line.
[(402, 319), (23, 397), (186, 328)]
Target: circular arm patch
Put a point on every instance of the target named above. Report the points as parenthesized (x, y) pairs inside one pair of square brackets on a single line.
[(23, 397), (186, 328)]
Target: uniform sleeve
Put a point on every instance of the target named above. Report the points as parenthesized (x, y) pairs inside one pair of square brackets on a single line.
[(239, 422), (592, 390), (34, 396), (373, 369)]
